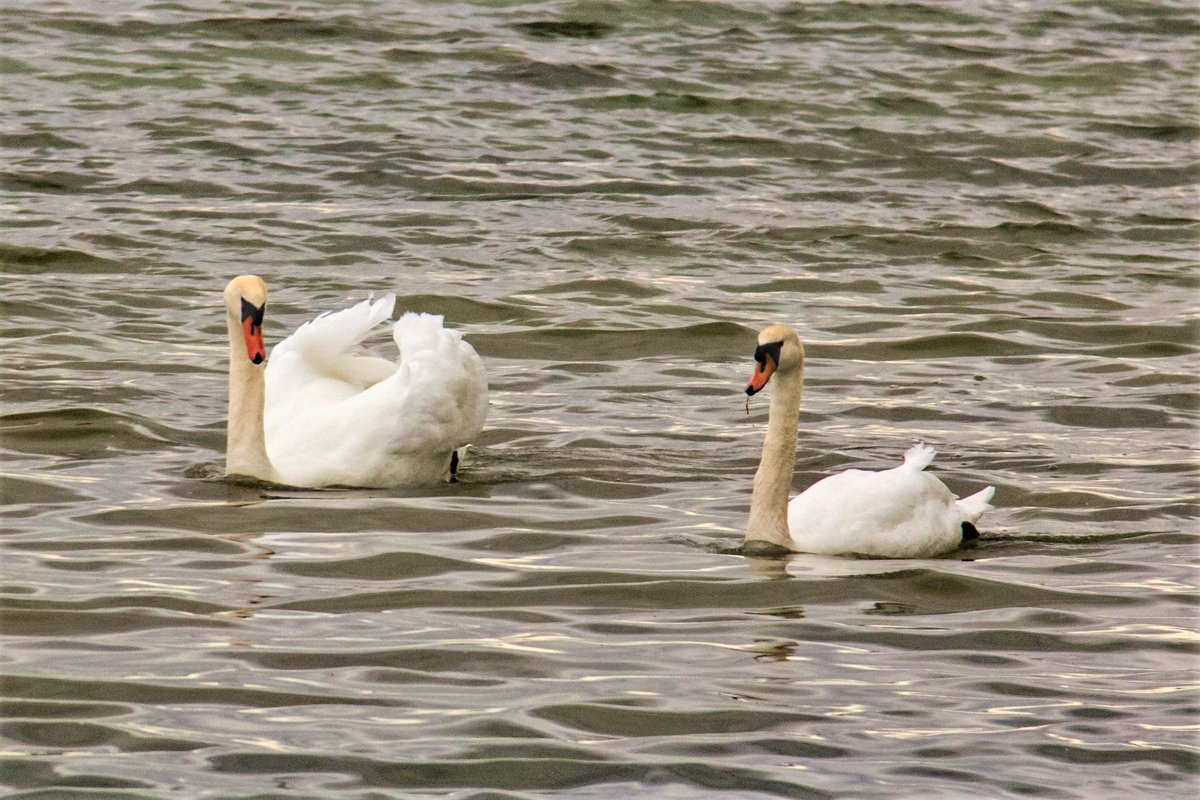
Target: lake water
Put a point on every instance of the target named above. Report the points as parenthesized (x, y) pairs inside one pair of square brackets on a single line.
[(981, 216)]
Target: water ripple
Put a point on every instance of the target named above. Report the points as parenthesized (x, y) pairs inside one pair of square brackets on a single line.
[(980, 217)]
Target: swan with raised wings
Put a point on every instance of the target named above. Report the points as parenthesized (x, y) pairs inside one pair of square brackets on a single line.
[(322, 412), (902, 512)]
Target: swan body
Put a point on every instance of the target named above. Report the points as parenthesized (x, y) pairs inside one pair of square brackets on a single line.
[(904, 512), (322, 412)]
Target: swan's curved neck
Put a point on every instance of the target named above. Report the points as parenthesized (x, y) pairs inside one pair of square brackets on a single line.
[(773, 481), (245, 442)]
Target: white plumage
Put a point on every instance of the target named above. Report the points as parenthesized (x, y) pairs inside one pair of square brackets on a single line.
[(333, 415), (337, 416), (903, 512)]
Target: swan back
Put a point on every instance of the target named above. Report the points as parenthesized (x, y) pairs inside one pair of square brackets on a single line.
[(903, 512), (337, 416)]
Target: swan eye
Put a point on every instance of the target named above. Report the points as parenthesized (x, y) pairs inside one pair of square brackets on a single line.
[(254, 314), (763, 351)]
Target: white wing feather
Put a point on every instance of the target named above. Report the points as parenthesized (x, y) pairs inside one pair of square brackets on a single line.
[(337, 416)]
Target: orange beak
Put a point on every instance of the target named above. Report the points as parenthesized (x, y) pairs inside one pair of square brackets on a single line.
[(255, 350), (763, 370)]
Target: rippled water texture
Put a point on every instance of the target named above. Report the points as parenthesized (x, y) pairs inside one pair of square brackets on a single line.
[(981, 216)]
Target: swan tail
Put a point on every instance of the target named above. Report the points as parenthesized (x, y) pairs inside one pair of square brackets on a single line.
[(445, 379), (416, 331), (919, 456), (972, 507)]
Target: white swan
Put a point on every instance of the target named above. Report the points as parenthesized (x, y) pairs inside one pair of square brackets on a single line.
[(323, 413), (897, 513)]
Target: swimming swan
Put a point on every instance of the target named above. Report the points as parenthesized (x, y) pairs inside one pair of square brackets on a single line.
[(902, 512), (322, 412)]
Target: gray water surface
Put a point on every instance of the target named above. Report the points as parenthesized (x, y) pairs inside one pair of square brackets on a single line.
[(981, 216)]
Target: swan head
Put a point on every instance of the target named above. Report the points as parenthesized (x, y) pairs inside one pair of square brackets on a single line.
[(779, 350), (246, 302)]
